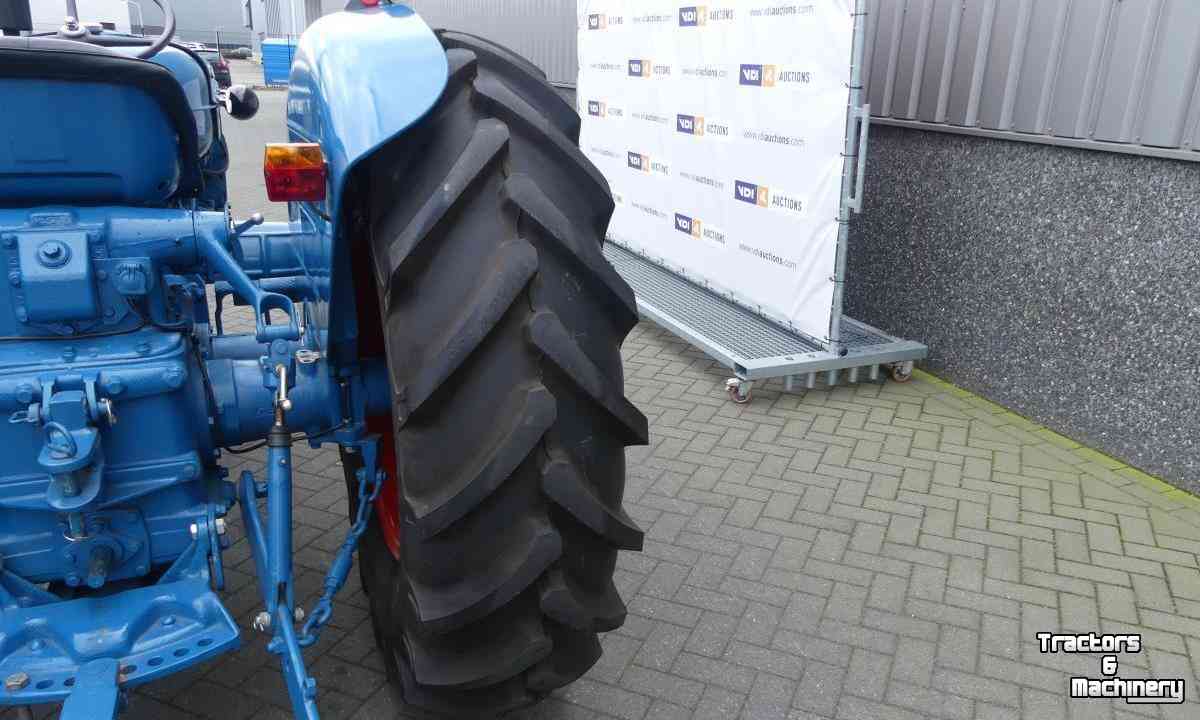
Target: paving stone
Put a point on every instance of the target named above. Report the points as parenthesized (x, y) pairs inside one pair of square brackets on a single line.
[(718, 704), (820, 688), (868, 673), (765, 659), (671, 688), (662, 647), (715, 672), (607, 699), (958, 649)]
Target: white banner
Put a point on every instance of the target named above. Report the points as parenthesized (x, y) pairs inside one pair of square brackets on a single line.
[(721, 129)]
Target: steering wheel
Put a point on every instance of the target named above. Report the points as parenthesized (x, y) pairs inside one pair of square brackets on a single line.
[(167, 34)]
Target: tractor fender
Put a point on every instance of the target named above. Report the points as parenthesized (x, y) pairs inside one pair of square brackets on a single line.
[(359, 78)]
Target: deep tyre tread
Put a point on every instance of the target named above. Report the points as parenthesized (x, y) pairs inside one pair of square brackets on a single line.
[(502, 324)]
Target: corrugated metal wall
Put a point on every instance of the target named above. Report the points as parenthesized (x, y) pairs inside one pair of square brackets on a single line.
[(1073, 72), (541, 30), (1120, 75)]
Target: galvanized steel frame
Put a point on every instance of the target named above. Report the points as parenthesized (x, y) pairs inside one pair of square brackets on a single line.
[(799, 355)]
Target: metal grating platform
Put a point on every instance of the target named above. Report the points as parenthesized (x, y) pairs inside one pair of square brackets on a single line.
[(753, 347)]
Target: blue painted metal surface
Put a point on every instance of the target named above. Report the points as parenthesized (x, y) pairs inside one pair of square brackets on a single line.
[(359, 79), (277, 56), (120, 396), (47, 162)]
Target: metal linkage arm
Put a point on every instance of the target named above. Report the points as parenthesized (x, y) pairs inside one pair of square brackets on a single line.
[(211, 239)]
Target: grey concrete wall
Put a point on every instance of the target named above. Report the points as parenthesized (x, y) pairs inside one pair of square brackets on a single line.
[(1064, 284)]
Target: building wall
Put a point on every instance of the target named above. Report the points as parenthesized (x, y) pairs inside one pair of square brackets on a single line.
[(1120, 75), (48, 15), (541, 30), (1061, 283), (200, 20)]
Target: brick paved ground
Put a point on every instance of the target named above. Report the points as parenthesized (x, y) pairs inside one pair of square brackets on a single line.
[(862, 553)]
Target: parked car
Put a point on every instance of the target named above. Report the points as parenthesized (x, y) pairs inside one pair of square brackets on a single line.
[(220, 68)]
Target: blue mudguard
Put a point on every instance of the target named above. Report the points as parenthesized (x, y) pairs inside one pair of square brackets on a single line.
[(359, 79)]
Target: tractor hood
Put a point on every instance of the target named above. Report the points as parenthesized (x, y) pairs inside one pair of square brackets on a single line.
[(358, 79)]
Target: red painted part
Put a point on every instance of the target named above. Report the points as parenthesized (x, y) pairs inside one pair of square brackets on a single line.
[(371, 345), (387, 504)]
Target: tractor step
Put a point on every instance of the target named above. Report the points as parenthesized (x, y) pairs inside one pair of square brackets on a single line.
[(149, 632)]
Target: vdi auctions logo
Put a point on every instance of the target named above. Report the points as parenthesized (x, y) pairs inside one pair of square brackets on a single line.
[(690, 124), (757, 75), (639, 68), (595, 108), (693, 16), (637, 161), (688, 225), (597, 22), (750, 193)]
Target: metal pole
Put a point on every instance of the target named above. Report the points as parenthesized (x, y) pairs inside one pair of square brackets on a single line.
[(849, 166)]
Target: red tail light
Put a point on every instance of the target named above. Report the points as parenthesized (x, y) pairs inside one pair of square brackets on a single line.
[(294, 172)]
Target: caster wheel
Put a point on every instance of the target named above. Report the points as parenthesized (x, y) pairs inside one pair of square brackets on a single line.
[(738, 391), (901, 373)]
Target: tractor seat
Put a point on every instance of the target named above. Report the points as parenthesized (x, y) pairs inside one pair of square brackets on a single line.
[(83, 124)]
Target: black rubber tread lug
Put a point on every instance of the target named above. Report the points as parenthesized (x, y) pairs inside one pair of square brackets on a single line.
[(522, 76), (531, 414), (575, 652), (514, 643), (567, 604), (461, 64), (485, 147), (459, 39), (548, 334), (514, 263), (565, 484), (444, 609), (512, 108), (523, 192)]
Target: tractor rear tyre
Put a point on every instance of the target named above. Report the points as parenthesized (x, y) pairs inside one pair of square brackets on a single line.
[(489, 567)]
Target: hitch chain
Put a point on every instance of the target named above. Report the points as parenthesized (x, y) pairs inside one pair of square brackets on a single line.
[(368, 490)]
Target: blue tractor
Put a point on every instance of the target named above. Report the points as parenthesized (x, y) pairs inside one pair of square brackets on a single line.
[(437, 306)]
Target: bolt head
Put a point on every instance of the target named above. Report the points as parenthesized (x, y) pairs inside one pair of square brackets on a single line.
[(221, 527), (24, 393), (16, 681), (173, 377), (298, 614), (52, 254), (194, 529), (262, 621)]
